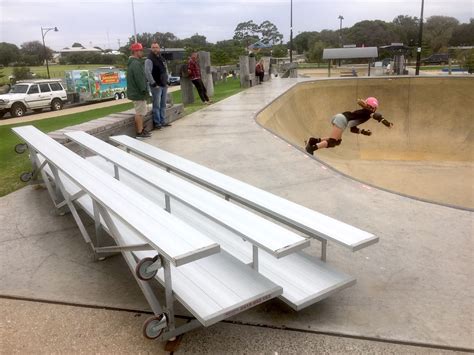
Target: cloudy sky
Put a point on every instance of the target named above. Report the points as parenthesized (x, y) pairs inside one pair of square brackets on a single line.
[(106, 22)]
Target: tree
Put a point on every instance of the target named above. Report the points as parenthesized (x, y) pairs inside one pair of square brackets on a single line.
[(463, 35), (35, 53), (304, 40), (21, 73), (371, 33), (77, 45), (246, 33), (9, 53), (406, 28), (439, 30), (315, 54), (280, 51), (269, 33)]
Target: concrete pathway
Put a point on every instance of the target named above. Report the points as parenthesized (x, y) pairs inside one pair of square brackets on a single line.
[(414, 287)]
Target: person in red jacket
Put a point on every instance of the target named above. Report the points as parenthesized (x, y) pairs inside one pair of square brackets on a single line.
[(348, 119), (195, 75), (260, 71)]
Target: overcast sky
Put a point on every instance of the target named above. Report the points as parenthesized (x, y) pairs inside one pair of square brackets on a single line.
[(104, 22)]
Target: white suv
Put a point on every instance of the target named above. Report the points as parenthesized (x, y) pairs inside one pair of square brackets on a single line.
[(33, 95)]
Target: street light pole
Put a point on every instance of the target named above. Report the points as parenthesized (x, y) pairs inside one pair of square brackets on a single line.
[(340, 30), (291, 31), (420, 39), (44, 31), (134, 25)]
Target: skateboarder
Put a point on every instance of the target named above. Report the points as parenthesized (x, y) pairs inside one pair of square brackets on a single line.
[(348, 119)]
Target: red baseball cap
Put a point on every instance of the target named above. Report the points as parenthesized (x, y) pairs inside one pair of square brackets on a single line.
[(136, 47)]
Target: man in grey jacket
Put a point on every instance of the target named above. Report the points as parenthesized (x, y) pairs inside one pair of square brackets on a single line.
[(157, 77)]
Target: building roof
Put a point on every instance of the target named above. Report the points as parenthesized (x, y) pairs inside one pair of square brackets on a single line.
[(79, 50), (350, 53)]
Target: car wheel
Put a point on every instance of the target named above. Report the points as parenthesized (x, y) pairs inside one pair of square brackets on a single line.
[(2, 113), (117, 96), (122, 95), (56, 105), (18, 110), (37, 110)]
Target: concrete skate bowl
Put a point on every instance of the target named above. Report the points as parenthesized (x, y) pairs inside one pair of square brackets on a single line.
[(427, 155)]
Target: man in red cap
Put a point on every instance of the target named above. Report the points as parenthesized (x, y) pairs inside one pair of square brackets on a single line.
[(137, 90)]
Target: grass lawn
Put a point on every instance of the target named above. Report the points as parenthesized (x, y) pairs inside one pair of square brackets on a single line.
[(12, 164)]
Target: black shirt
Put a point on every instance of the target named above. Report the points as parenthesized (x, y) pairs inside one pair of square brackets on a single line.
[(357, 117)]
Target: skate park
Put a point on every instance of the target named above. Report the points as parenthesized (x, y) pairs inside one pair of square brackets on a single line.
[(413, 292)]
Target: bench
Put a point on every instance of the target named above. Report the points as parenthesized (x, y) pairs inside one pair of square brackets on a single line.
[(209, 282), (305, 280), (300, 218)]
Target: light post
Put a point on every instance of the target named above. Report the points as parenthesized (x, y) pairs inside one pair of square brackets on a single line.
[(134, 25), (340, 29), (291, 31), (420, 40), (44, 31)]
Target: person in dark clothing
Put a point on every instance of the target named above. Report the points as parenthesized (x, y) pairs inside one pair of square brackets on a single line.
[(195, 75), (348, 119), (137, 88), (260, 71), (157, 76)]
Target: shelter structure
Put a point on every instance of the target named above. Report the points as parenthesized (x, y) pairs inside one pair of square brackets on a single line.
[(331, 54)]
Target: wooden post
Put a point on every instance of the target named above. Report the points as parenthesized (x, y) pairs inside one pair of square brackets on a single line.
[(266, 66), (206, 75), (252, 64), (244, 71), (187, 93)]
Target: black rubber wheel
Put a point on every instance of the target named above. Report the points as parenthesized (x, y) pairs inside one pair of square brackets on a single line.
[(20, 148), (117, 96), (18, 110), (56, 105), (2, 113), (140, 269), (122, 95), (37, 110), (25, 177), (148, 327)]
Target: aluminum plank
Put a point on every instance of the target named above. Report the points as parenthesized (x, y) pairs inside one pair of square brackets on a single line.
[(175, 240), (296, 215), (266, 235)]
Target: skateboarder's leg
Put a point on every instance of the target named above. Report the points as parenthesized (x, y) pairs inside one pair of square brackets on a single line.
[(336, 135)]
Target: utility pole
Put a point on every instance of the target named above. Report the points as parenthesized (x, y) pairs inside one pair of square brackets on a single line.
[(291, 31), (340, 30), (420, 40)]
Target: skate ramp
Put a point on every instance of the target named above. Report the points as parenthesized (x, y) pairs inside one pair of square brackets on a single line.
[(428, 154)]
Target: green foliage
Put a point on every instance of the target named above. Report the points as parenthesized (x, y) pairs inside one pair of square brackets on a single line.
[(21, 73), (463, 35), (9, 53), (280, 51), (315, 54), (34, 53), (438, 31), (89, 58)]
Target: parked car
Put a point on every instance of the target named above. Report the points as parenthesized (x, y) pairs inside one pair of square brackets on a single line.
[(438, 58), (33, 95), (174, 80)]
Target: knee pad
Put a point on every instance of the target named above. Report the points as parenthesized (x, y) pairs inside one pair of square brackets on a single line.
[(333, 142), (313, 141)]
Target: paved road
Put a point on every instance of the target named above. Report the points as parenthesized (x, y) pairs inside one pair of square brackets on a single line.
[(68, 111)]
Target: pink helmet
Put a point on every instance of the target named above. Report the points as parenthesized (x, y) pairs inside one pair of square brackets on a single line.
[(372, 102)]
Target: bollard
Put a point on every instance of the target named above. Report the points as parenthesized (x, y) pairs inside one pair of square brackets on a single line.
[(187, 93), (244, 71), (206, 75)]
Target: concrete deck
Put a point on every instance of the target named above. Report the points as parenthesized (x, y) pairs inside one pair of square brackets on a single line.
[(414, 286)]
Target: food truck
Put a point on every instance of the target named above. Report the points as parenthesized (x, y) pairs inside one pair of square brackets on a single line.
[(95, 85)]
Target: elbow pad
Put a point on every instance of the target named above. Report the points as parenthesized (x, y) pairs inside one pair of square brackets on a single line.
[(377, 116)]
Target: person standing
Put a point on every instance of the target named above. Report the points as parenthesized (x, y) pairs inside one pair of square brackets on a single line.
[(137, 88), (260, 71), (157, 76), (195, 75)]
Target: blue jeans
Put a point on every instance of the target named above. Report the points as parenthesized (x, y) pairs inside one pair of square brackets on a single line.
[(159, 105)]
